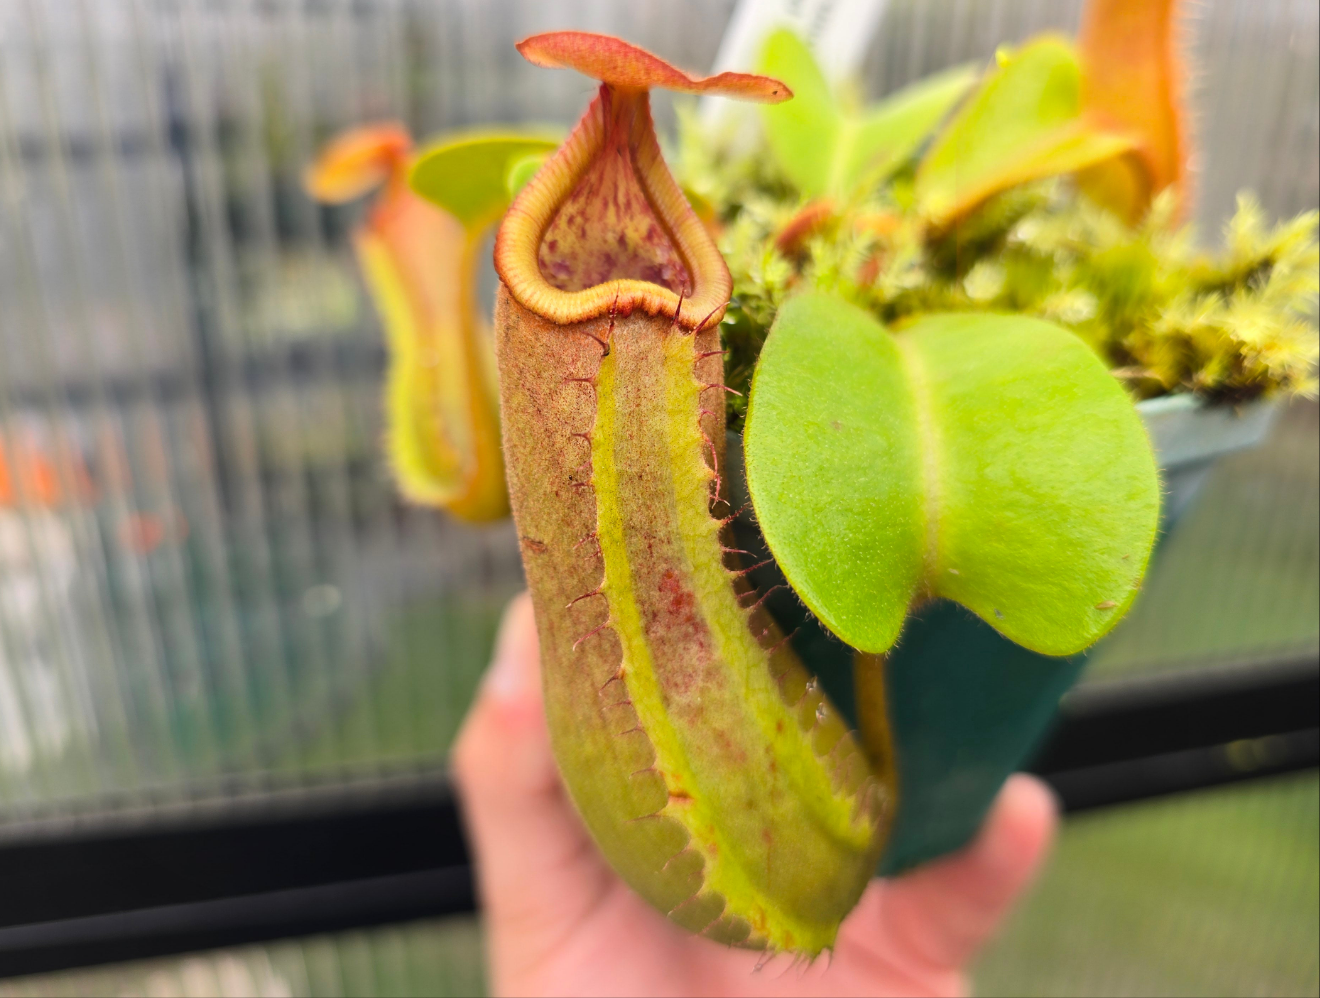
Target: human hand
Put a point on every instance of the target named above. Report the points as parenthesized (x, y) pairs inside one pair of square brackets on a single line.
[(559, 921)]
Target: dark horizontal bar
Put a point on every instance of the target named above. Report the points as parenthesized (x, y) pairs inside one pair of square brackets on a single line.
[(235, 921), (286, 865), (1103, 723), (285, 845), (1132, 780)]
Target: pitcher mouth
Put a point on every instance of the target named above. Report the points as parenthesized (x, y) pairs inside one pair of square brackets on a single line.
[(603, 228)]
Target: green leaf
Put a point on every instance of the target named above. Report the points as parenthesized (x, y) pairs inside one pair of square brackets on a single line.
[(467, 175), (987, 459), (1024, 123), (521, 170), (888, 133), (827, 150), (804, 131)]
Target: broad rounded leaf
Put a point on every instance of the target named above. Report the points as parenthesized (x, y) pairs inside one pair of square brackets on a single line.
[(988, 459), (1024, 123), (467, 175)]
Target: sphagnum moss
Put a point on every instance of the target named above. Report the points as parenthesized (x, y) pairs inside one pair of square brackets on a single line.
[(1166, 314)]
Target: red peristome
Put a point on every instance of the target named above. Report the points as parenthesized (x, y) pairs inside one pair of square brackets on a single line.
[(614, 61), (358, 161), (603, 228)]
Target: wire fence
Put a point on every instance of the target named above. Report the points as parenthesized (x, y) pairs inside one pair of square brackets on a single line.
[(207, 583)]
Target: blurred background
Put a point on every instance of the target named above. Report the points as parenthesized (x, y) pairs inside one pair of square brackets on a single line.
[(210, 595)]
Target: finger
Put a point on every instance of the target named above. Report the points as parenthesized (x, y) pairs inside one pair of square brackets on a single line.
[(536, 869), (940, 914)]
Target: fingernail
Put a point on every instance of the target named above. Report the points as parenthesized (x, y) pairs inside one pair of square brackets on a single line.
[(504, 679), (509, 674), (1024, 815)]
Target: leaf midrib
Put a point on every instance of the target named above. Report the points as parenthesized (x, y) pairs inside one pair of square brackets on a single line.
[(929, 451)]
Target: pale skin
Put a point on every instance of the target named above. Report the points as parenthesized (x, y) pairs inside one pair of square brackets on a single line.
[(558, 921)]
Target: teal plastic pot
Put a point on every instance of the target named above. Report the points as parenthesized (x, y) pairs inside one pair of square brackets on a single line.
[(968, 707)]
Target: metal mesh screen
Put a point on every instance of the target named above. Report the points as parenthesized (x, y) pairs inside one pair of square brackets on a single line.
[(1213, 893), (434, 959), (207, 584)]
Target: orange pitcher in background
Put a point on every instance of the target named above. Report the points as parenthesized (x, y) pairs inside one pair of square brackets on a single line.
[(419, 263)]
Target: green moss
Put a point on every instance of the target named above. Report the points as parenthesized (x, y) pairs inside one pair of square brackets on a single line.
[(1166, 315)]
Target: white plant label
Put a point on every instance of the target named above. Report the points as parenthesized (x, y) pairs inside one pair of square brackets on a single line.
[(839, 32)]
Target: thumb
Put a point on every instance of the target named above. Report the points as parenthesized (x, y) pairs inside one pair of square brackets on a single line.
[(537, 871), (939, 915)]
